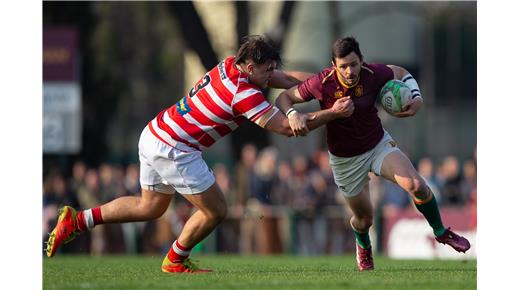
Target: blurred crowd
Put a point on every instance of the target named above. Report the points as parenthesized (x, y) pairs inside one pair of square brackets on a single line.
[(275, 205)]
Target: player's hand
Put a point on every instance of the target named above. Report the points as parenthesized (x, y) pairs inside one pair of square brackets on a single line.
[(343, 107), (298, 123), (411, 108)]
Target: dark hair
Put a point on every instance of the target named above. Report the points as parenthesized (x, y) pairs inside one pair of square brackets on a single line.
[(257, 49), (344, 46)]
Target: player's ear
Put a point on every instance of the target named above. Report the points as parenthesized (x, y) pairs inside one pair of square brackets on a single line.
[(249, 67)]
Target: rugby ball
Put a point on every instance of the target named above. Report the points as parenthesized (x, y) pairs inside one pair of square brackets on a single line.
[(395, 95)]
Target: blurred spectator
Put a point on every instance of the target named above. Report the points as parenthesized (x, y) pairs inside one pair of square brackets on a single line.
[(88, 197), (283, 189), (301, 172), (426, 170), (243, 176), (111, 187), (450, 179), (262, 184), (78, 176), (55, 195), (303, 206), (469, 187), (318, 198), (131, 186), (107, 184), (131, 181), (281, 196), (396, 198), (229, 230)]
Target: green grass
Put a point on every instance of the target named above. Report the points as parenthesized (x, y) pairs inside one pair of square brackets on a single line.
[(257, 272)]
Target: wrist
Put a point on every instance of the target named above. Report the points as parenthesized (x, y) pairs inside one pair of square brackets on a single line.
[(290, 112), (331, 112), (413, 85)]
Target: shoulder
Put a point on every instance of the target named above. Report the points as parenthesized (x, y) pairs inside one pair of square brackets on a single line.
[(378, 70), (318, 80), (247, 90), (375, 68), (326, 75)]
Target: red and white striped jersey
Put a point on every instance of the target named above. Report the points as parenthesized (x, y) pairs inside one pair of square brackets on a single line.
[(213, 108)]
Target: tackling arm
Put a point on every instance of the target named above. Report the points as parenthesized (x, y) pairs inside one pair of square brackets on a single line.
[(287, 79), (301, 124), (280, 124)]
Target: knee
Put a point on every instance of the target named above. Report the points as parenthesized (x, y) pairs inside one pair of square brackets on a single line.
[(416, 187), (151, 211), (218, 214)]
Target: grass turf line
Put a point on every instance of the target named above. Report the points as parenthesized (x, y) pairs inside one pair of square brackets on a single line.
[(257, 272)]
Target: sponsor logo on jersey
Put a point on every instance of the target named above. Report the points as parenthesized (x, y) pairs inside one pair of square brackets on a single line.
[(182, 106), (222, 70)]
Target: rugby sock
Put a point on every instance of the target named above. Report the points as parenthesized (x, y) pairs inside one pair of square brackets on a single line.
[(430, 211), (362, 239), (87, 219), (178, 252)]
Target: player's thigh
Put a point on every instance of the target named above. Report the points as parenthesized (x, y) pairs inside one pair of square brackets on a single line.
[(211, 201), (350, 173), (155, 201), (397, 168), (361, 204)]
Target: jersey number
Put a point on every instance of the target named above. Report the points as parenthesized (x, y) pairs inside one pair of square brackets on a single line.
[(204, 82), (182, 105)]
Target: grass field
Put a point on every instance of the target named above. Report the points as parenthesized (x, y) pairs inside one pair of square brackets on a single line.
[(257, 272)]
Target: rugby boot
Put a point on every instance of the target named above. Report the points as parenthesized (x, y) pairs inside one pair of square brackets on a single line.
[(459, 243), (186, 266), (64, 231), (364, 259)]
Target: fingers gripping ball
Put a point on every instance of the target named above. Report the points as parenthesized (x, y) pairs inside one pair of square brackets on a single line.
[(395, 95)]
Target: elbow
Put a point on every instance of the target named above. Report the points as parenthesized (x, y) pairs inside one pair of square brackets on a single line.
[(278, 100)]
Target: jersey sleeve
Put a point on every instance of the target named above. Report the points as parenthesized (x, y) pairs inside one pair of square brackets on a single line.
[(310, 88), (251, 104)]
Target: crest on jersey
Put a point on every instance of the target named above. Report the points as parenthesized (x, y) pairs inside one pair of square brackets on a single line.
[(182, 106), (358, 91), (338, 94)]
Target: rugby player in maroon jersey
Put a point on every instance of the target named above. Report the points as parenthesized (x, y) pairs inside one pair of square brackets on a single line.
[(358, 144)]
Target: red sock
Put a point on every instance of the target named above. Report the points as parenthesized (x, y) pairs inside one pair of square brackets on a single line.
[(87, 219), (178, 253), (96, 214), (80, 222)]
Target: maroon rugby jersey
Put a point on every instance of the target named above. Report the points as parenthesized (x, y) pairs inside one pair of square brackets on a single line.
[(357, 134)]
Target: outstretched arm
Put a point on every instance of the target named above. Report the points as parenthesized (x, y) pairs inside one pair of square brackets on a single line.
[(300, 123), (287, 79), (280, 124)]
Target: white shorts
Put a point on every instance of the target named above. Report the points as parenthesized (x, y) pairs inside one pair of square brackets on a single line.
[(351, 173), (168, 169)]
